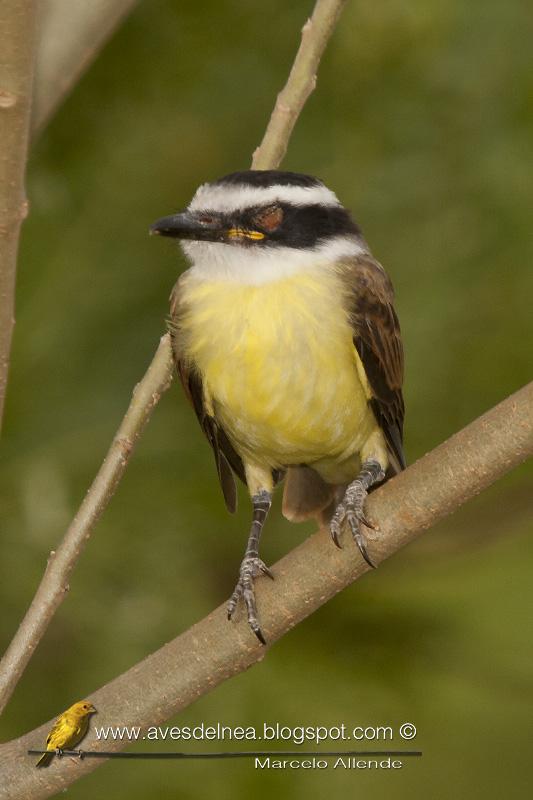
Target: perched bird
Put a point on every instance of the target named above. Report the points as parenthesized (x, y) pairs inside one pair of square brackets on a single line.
[(69, 729), (288, 347)]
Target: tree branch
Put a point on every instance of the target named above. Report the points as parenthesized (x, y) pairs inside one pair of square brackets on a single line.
[(214, 649), (17, 26), (301, 82), (70, 36), (54, 584)]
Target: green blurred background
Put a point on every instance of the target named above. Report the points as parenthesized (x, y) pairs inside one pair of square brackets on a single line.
[(422, 122)]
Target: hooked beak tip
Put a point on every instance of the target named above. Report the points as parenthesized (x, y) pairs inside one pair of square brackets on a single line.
[(177, 226)]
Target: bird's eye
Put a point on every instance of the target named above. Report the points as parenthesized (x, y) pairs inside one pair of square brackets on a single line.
[(205, 219), (270, 218)]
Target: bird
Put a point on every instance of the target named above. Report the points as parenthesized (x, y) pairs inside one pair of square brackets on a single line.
[(68, 730), (288, 346)]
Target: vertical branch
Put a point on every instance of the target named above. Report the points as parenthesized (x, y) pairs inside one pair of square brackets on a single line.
[(17, 35), (301, 82)]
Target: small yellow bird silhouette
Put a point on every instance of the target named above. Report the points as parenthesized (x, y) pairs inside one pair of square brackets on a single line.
[(69, 729)]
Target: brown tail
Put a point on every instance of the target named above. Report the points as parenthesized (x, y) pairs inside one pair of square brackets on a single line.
[(45, 759), (305, 494)]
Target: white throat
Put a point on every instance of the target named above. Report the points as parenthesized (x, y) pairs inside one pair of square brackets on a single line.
[(253, 265)]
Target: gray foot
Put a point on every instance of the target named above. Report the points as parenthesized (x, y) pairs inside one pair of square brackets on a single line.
[(351, 508), (251, 567)]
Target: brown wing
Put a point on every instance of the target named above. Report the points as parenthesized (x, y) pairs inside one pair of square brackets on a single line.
[(227, 459), (378, 341)]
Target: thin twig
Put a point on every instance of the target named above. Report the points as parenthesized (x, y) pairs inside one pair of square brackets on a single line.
[(214, 649), (54, 584), (302, 80), (70, 36), (52, 588), (17, 27)]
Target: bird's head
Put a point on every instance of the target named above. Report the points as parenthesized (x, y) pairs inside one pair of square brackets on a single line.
[(82, 709), (254, 224)]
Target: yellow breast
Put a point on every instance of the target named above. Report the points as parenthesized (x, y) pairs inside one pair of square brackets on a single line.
[(278, 365)]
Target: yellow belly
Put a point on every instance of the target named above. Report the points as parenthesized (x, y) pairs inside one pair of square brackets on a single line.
[(279, 367)]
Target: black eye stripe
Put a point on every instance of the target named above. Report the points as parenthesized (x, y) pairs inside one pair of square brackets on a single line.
[(301, 226)]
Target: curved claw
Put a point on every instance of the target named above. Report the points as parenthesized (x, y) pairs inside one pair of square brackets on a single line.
[(359, 539), (335, 536), (360, 542), (251, 567), (335, 526), (258, 632), (234, 599), (366, 522), (266, 571)]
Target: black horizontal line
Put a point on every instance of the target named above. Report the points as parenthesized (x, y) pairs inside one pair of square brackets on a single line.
[(232, 754)]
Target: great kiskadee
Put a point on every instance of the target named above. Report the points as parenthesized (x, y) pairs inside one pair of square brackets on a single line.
[(288, 347)]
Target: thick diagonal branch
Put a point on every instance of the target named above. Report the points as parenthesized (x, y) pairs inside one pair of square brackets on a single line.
[(214, 650)]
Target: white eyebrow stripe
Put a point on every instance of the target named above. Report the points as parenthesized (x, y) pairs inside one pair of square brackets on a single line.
[(237, 197)]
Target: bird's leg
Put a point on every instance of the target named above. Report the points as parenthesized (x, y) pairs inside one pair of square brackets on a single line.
[(59, 752), (252, 565), (351, 508)]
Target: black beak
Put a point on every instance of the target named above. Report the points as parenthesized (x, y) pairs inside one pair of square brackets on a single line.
[(189, 225)]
